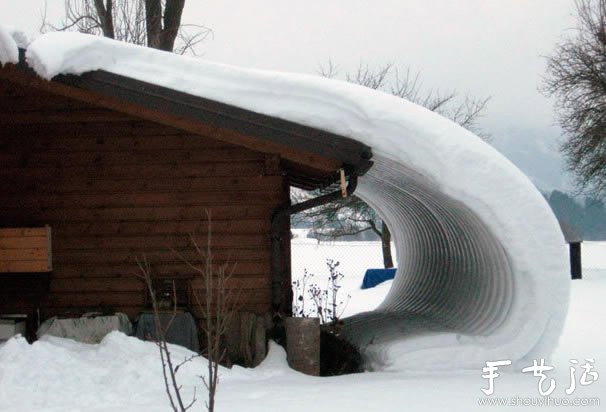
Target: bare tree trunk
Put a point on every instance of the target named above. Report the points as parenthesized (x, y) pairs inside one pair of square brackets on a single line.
[(105, 13), (386, 246), (172, 21), (162, 30), (153, 22)]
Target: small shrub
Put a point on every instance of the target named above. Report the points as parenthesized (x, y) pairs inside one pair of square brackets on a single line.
[(337, 355)]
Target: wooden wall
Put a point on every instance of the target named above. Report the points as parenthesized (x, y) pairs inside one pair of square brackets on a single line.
[(114, 188)]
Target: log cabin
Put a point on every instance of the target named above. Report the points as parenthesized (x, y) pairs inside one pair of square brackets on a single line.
[(98, 170)]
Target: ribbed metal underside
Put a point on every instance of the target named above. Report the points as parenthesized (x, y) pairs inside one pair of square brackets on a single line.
[(453, 274)]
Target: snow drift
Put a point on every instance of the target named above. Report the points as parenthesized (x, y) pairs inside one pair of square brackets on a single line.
[(483, 269)]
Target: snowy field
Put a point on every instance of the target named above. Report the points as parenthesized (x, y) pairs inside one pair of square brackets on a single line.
[(123, 373), (354, 259)]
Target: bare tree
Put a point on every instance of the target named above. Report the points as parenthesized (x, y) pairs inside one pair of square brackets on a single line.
[(154, 23), (351, 215), (576, 77), (216, 306), (169, 368), (403, 82), (348, 216)]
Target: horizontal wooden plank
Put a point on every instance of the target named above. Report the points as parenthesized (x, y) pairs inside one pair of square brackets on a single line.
[(154, 243), (24, 266), (38, 142), (23, 232), (26, 185), (117, 284), (11, 89), (196, 227), (33, 102), (131, 311), (135, 214), (79, 270), (214, 168), (139, 157), (132, 127), (23, 254), (135, 284), (95, 299), (239, 297), (119, 256), (30, 242), (93, 201), (63, 116), (248, 282)]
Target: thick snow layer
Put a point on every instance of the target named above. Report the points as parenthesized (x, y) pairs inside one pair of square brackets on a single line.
[(78, 376), (593, 255), (20, 38), (483, 270), (9, 52)]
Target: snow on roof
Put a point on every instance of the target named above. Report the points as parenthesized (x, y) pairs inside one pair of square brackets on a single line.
[(481, 253), (9, 52), (20, 38)]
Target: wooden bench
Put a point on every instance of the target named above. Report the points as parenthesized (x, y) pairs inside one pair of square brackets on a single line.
[(25, 250)]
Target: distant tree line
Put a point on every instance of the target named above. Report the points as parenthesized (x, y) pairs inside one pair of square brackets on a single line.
[(586, 216), (576, 79)]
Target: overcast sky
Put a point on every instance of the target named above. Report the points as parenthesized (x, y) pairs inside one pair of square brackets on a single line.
[(480, 47)]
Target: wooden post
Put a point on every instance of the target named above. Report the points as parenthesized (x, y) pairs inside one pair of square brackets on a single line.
[(303, 344), (343, 183), (259, 342), (576, 270)]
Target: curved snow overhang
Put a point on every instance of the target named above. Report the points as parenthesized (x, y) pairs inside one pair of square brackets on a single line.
[(482, 261)]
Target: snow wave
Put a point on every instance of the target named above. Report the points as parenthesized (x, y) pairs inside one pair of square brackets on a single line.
[(483, 269)]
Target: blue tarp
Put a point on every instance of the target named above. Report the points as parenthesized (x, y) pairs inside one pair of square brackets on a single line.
[(373, 277)]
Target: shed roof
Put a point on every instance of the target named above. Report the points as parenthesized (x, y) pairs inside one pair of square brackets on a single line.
[(311, 156)]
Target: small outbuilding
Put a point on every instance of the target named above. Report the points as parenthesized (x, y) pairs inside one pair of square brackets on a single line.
[(99, 169)]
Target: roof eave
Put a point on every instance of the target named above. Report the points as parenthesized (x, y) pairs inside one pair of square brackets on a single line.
[(353, 155)]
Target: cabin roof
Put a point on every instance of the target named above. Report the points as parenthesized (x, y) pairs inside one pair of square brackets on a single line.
[(310, 156)]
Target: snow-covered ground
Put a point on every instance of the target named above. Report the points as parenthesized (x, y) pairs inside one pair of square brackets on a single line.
[(123, 373), (354, 259)]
